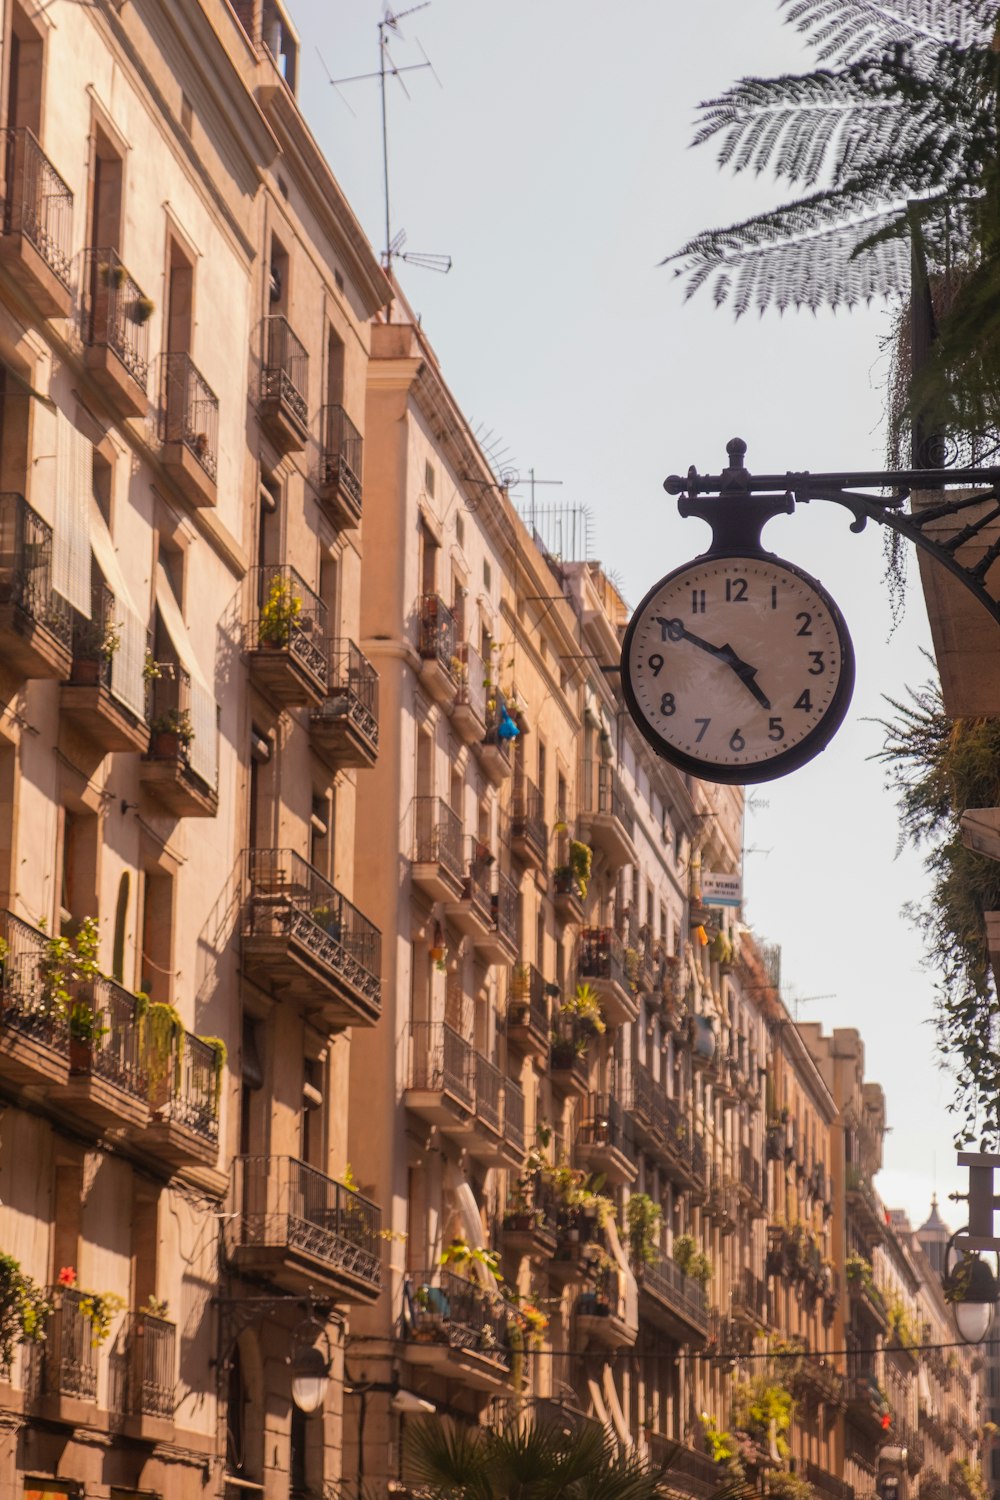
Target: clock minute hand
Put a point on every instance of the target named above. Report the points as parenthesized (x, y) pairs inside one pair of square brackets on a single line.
[(747, 674)]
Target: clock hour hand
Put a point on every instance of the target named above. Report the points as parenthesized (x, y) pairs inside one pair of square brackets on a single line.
[(678, 631)]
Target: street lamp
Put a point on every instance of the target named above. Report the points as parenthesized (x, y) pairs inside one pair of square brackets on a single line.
[(310, 1365), (972, 1289), (310, 1378)]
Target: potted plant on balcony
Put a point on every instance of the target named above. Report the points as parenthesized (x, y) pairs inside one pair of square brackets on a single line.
[(24, 1310), (172, 733), (279, 615), (143, 309), (86, 1028), (642, 1218), (584, 1006), (520, 994), (566, 1052)]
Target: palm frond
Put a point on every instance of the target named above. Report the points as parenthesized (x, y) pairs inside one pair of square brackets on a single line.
[(844, 30), (807, 254), (449, 1459)]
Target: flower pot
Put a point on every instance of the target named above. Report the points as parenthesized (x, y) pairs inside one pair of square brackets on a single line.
[(85, 672), (81, 1055)]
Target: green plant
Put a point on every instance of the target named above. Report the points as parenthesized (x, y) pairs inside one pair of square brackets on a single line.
[(642, 1218), (784, 1485), (151, 669), (349, 1180), (24, 1309), (585, 1005), (968, 1480), (99, 1308), (153, 1307), (888, 148), (87, 945), (221, 1052), (175, 721), (143, 309), (581, 859), (938, 767), (721, 1445), (85, 1023), (760, 1402), (56, 969), (279, 613), (463, 1255), (162, 1041)]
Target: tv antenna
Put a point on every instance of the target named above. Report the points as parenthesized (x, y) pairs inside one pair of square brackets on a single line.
[(387, 68), (794, 1002)]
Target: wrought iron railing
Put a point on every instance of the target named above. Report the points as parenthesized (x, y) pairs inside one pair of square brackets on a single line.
[(31, 1004), (26, 568), (442, 1061), (284, 370), (193, 1100), (151, 1353), (753, 1175), (827, 1485), (280, 1202), (170, 711), (117, 311), (471, 680), (95, 640), (513, 1114), (70, 1351), (568, 1053), (341, 452), (448, 1309), (117, 1053), (505, 908), (489, 1082), (286, 615), (437, 834), (287, 896), (189, 411), (479, 879), (604, 1124), (750, 1295), (665, 1279), (602, 792), (612, 798), (496, 707), (37, 203), (437, 633), (601, 955), (527, 999), (352, 692), (528, 816), (697, 1473)]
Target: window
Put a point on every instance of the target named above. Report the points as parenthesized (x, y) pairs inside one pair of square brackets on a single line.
[(460, 530), (487, 574), (334, 369), (78, 869), (24, 78), (430, 478), (156, 966)]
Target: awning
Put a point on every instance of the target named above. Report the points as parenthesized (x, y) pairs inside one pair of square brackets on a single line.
[(628, 1290), (600, 1410), (127, 681), (615, 1408), (472, 1224), (70, 528), (204, 749)]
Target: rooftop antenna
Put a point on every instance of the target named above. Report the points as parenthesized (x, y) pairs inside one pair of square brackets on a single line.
[(387, 68)]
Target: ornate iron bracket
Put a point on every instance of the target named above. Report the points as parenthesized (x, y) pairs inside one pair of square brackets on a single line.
[(237, 1314), (738, 504)]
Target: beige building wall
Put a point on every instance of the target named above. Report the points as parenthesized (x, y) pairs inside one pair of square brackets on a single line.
[(156, 168)]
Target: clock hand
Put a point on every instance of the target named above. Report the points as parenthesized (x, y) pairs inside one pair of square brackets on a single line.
[(677, 631)]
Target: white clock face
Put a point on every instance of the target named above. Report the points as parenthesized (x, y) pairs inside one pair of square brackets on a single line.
[(740, 666)]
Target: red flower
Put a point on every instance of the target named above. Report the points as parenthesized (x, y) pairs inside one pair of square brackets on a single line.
[(67, 1276), (886, 1421)]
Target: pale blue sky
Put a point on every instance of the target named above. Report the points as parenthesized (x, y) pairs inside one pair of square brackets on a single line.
[(553, 166)]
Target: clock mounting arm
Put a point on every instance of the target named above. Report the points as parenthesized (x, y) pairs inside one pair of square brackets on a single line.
[(738, 504)]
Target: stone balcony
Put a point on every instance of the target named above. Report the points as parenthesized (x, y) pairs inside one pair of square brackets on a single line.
[(298, 1228), (282, 404), (36, 245), (344, 726), (339, 479), (116, 332), (36, 623), (601, 963), (285, 638), (306, 941), (457, 1329)]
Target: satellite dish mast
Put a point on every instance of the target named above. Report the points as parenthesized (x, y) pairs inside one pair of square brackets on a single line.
[(387, 68)]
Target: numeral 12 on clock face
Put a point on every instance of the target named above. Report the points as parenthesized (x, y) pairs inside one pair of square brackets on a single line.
[(738, 668)]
